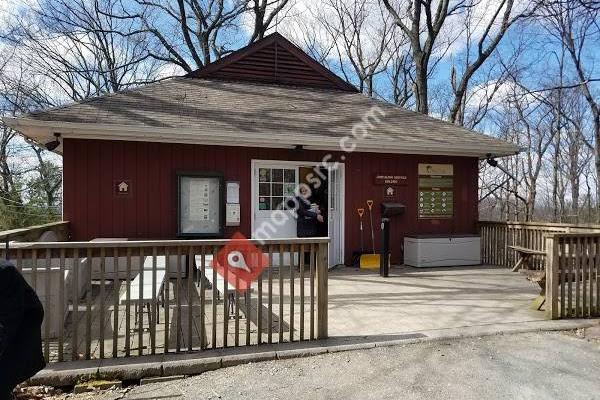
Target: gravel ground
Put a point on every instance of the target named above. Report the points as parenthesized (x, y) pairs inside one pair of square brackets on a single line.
[(524, 366)]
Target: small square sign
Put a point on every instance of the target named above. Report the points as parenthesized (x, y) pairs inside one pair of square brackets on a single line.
[(123, 187), (390, 192)]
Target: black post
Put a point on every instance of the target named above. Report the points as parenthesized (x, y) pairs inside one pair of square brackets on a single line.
[(384, 266), (7, 248)]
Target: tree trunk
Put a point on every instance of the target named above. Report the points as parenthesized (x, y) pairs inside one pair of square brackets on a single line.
[(421, 84)]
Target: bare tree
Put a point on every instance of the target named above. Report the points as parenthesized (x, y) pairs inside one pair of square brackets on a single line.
[(24, 178), (266, 14), (361, 34), (484, 43), (76, 47), (193, 33), (401, 76), (423, 19), (577, 29)]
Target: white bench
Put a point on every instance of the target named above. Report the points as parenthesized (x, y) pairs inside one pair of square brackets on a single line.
[(151, 291), (220, 281)]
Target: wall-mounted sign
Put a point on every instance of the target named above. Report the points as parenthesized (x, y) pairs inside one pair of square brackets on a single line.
[(232, 214), (390, 192), (233, 192), (381, 179), (122, 187), (201, 207), (436, 191), (436, 169)]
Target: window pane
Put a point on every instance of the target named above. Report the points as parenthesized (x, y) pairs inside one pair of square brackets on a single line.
[(276, 203), (290, 175), (264, 203), (277, 175), (264, 189), (289, 189), (277, 189), (264, 175)]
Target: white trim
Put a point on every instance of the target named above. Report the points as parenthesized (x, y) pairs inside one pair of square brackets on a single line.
[(342, 169), (43, 131), (279, 163)]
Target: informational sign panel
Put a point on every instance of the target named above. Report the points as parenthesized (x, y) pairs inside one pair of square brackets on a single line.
[(233, 192), (201, 206), (382, 179), (436, 191)]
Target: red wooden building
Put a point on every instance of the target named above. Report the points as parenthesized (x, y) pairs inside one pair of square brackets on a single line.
[(219, 150)]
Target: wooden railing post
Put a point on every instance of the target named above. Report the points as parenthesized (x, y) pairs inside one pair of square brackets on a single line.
[(552, 267), (322, 291)]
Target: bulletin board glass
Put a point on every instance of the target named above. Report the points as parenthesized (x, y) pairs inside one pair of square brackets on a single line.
[(200, 204)]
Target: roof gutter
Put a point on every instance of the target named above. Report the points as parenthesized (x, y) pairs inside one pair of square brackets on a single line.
[(39, 131)]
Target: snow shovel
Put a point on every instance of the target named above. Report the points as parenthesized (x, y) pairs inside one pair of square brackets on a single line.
[(358, 253), (361, 212), (370, 261)]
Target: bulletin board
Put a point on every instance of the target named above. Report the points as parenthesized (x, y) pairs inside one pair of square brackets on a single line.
[(436, 191), (200, 205)]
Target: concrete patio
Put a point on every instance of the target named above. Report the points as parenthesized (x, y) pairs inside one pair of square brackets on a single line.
[(410, 302), (415, 300)]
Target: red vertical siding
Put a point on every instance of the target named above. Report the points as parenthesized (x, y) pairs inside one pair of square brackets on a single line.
[(92, 167)]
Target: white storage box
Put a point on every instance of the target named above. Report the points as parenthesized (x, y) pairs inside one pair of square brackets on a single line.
[(442, 251)]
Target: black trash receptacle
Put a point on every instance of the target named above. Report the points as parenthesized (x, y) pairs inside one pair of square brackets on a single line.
[(388, 210)]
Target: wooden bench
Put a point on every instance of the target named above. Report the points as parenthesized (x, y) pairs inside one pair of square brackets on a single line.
[(537, 276), (524, 265), (525, 255)]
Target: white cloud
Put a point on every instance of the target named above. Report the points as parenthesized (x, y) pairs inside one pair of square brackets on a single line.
[(497, 93)]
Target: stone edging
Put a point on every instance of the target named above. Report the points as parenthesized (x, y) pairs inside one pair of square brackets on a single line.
[(134, 369)]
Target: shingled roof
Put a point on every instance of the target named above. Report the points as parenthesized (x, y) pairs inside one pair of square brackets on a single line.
[(209, 108)]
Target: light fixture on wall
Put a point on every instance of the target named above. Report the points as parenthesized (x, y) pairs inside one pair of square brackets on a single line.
[(53, 144)]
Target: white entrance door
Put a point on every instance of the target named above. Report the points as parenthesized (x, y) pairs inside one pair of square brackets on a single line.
[(273, 186), (273, 183)]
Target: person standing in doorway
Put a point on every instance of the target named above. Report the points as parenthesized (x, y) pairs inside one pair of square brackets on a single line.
[(21, 316), (309, 215)]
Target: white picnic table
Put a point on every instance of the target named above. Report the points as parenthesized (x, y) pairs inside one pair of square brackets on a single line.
[(151, 292), (220, 283)]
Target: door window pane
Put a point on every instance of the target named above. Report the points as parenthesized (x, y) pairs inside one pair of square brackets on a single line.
[(290, 175), (277, 175), (277, 203), (289, 189), (264, 175), (264, 189), (277, 189), (276, 185)]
